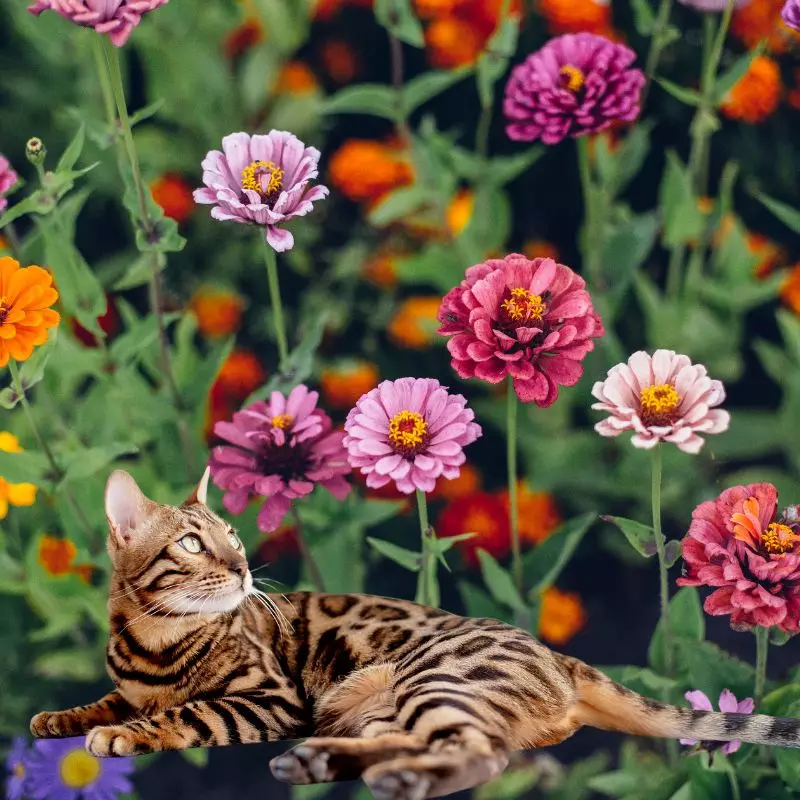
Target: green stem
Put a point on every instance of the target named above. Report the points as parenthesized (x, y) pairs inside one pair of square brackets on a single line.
[(314, 571), (591, 248), (762, 649), (396, 52), (657, 43), (662, 561), (105, 83), (277, 306), (427, 573), (511, 462)]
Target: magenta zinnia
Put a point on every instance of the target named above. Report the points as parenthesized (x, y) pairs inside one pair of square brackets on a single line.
[(410, 431), (278, 450), (262, 180), (116, 18), (728, 704), (663, 397), (8, 179), (576, 84), (791, 14), (530, 320), (737, 544)]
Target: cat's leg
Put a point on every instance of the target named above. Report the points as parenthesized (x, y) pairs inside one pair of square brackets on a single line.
[(109, 710), (244, 718)]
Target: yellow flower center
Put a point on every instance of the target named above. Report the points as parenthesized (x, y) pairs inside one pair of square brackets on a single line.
[(78, 769), (5, 307), (522, 307), (573, 78), (262, 177), (19, 770), (408, 432), (778, 539), (282, 421), (657, 404)]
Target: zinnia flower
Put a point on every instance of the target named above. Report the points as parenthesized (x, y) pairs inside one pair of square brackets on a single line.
[(262, 180), (26, 294), (791, 14), (365, 170), (414, 323), (757, 95), (561, 616), (758, 20), (790, 290), (576, 16), (244, 36), (538, 513), (663, 397), (728, 704), (8, 179), (296, 77), (735, 543), (576, 84), (344, 383), (14, 494), (482, 514), (530, 320), (62, 769), (410, 431), (218, 311), (117, 18), (468, 482), (17, 769), (174, 195), (57, 556), (459, 211), (278, 450)]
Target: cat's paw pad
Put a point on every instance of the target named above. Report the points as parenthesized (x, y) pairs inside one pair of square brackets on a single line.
[(302, 764), (115, 740), (51, 724), (402, 784)]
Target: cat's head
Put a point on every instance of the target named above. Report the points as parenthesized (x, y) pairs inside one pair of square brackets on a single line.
[(175, 560)]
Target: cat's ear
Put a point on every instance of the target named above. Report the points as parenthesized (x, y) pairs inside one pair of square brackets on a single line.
[(200, 491), (126, 506)]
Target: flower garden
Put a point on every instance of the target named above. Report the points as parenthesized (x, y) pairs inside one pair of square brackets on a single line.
[(490, 304)]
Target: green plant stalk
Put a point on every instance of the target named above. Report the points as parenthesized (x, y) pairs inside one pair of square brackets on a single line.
[(662, 561), (277, 306), (428, 563), (105, 82), (762, 650), (58, 473), (396, 52), (657, 44), (512, 406), (591, 244), (306, 555)]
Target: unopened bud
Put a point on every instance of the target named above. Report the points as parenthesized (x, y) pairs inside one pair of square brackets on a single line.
[(35, 151)]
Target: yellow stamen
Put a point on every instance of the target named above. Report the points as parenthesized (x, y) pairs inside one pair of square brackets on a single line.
[(658, 404), (5, 307), (253, 173), (19, 770), (78, 769), (408, 432), (778, 539), (574, 78), (523, 306), (282, 421)]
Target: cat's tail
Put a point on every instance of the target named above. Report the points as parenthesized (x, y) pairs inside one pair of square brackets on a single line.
[(608, 705)]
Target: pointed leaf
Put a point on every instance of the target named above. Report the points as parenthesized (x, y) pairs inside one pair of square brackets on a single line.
[(71, 155), (405, 558), (785, 213), (398, 17), (543, 564), (640, 537), (499, 583), (688, 96), (368, 98), (726, 82), (426, 86)]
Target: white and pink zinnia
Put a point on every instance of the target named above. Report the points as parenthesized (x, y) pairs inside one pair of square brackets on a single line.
[(663, 397)]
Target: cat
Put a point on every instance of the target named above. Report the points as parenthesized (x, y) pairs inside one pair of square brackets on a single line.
[(416, 701)]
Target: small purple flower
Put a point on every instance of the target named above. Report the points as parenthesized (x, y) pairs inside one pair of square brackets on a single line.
[(791, 14), (279, 450), (575, 85), (117, 18), (711, 6), (727, 703), (410, 431), (262, 180), (8, 179), (17, 768), (61, 769)]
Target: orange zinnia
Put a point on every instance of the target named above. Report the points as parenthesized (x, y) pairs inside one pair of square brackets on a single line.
[(761, 19), (757, 95), (468, 481), (415, 323), (790, 291), (26, 294), (344, 384), (452, 42), (218, 311), (540, 248), (366, 170), (561, 616), (575, 16), (173, 193), (480, 513), (240, 376), (56, 555), (459, 212), (296, 77), (379, 269), (538, 513), (242, 38), (341, 63)]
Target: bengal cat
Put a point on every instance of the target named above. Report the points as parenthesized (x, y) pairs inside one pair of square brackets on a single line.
[(416, 701)]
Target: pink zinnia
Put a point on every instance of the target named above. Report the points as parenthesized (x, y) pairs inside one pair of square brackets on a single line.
[(576, 84), (663, 397), (262, 180), (279, 450), (791, 14), (735, 543), (727, 704), (530, 320), (117, 18), (410, 431), (8, 178)]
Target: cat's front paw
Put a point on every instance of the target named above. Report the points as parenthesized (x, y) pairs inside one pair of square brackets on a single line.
[(117, 740), (52, 724)]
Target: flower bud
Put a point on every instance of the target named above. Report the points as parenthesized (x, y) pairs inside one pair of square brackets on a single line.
[(35, 151)]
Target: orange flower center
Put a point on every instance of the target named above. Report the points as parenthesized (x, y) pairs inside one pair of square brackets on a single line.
[(778, 539), (262, 177), (408, 432), (658, 404), (572, 78), (523, 307), (282, 421)]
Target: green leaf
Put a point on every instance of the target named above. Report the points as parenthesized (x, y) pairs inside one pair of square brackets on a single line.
[(729, 79), (368, 513), (405, 558), (640, 537), (640, 679), (146, 112), (493, 62), (78, 664), (712, 669), (138, 273), (25, 467), (499, 582), (788, 215), (513, 783), (196, 756), (398, 204), (751, 434), (688, 96), (644, 17), (367, 98), (543, 564), (706, 784), (488, 229), (631, 156), (687, 621), (398, 17), (788, 761), (86, 462), (683, 221), (479, 603), (33, 203), (625, 250), (426, 86), (503, 169), (672, 552), (71, 155)]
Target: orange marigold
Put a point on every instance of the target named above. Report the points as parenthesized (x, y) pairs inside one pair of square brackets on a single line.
[(452, 42), (561, 616), (459, 211), (296, 77), (174, 194), (240, 376), (218, 311), (761, 19), (468, 482), (480, 513), (430, 9), (757, 95), (56, 555), (340, 61), (574, 16), (414, 324), (343, 384), (365, 170), (790, 290), (26, 294), (14, 494), (379, 269), (242, 38), (538, 513), (540, 248)]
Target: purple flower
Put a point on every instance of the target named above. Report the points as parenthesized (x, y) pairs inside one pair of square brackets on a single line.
[(17, 767), (711, 5), (576, 84), (262, 180), (8, 179), (791, 14), (727, 703), (279, 450), (61, 769), (410, 431), (117, 18)]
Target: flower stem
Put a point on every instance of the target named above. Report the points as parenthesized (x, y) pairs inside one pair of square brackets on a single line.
[(427, 587), (591, 245), (662, 561), (762, 648), (657, 44), (58, 473), (277, 306), (511, 463), (396, 52), (305, 553)]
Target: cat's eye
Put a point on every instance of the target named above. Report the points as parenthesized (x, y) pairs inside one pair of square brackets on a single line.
[(191, 544), (235, 541)]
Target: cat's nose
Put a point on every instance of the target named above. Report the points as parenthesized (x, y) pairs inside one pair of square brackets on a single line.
[(239, 567)]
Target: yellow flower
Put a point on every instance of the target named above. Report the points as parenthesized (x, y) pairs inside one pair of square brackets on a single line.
[(15, 494), (562, 615), (459, 212), (415, 323)]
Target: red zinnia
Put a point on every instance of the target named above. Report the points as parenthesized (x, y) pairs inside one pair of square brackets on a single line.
[(484, 515)]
